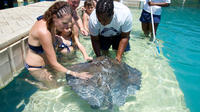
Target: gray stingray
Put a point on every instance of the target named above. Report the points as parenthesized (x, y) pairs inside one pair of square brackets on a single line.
[(111, 83)]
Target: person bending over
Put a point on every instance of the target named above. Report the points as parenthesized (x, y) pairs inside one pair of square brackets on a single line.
[(110, 24)]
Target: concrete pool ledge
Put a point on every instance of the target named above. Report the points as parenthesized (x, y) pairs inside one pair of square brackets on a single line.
[(15, 23)]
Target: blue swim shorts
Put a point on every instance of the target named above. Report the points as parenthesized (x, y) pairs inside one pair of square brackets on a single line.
[(146, 17), (106, 42)]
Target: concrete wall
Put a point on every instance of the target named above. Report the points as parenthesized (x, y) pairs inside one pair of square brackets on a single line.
[(12, 61)]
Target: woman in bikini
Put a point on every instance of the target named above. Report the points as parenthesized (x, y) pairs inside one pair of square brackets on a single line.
[(68, 41), (41, 50)]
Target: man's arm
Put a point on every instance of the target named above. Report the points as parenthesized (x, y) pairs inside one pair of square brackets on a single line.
[(122, 45), (79, 23), (96, 45), (158, 4), (82, 29)]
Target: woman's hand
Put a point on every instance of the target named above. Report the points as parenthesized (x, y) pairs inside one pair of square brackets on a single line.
[(82, 75), (88, 58), (83, 32)]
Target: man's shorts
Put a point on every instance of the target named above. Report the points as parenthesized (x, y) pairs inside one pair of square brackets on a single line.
[(146, 17), (106, 42)]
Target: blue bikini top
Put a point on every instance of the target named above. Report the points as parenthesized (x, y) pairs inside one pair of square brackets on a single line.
[(63, 45), (37, 49)]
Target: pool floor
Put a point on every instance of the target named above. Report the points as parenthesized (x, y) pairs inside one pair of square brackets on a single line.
[(160, 91)]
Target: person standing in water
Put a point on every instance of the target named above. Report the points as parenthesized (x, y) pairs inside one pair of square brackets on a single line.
[(145, 17), (74, 4), (89, 6)]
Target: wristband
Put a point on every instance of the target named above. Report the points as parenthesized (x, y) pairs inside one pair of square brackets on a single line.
[(68, 72)]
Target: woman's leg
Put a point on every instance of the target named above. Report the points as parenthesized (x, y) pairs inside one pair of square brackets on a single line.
[(45, 78)]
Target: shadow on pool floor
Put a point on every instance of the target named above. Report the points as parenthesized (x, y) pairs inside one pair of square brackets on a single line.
[(16, 94)]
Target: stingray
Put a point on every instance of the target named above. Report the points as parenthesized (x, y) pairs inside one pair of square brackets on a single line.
[(111, 83)]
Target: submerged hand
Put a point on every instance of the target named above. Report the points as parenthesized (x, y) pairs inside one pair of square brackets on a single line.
[(50, 77), (118, 59), (46, 76)]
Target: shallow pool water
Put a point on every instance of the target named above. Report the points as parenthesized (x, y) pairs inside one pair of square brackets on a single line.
[(180, 31), (160, 91)]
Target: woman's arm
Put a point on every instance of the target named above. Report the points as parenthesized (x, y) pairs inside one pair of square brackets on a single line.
[(80, 46), (46, 42)]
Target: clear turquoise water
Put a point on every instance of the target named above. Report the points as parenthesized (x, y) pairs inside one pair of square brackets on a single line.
[(180, 31), (160, 90)]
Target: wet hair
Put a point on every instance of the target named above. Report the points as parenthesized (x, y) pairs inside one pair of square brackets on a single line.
[(59, 9), (89, 3), (105, 7)]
